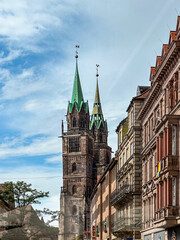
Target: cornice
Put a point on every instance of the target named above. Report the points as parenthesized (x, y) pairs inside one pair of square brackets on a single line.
[(173, 51)]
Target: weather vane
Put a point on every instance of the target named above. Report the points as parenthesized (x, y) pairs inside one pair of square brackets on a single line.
[(97, 74), (77, 46)]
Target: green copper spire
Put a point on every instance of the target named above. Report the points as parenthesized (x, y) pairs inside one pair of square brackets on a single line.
[(77, 95), (97, 116)]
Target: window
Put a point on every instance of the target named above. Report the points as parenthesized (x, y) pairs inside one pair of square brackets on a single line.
[(123, 158), (74, 122), (74, 210), (127, 153), (74, 167), (82, 123), (74, 189), (120, 162), (174, 140), (100, 138), (132, 118), (74, 145), (150, 168), (132, 148), (174, 191)]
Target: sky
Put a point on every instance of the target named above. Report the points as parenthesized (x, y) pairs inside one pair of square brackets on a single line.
[(37, 66)]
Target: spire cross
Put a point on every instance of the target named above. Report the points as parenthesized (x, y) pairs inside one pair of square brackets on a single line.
[(77, 46), (97, 73)]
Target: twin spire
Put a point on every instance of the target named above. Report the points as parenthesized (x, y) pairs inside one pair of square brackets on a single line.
[(78, 100)]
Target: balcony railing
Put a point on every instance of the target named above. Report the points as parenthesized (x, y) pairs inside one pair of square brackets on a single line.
[(170, 163), (125, 225), (121, 195)]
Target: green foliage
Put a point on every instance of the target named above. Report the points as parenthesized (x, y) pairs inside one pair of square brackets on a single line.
[(21, 193)]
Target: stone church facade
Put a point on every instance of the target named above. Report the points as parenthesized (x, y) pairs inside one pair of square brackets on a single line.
[(85, 156)]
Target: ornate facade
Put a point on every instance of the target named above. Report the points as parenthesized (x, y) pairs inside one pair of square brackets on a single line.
[(85, 152), (127, 197), (160, 117)]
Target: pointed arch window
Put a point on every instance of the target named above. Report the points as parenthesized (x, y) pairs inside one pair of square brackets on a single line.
[(74, 168), (74, 122), (82, 123), (100, 138), (74, 189)]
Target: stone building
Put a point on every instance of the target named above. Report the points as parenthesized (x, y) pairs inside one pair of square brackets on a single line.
[(127, 197), (160, 119), (102, 213), (85, 152)]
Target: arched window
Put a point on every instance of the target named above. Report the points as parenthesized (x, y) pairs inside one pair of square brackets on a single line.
[(74, 167), (82, 123), (74, 189), (100, 138), (74, 210), (74, 122)]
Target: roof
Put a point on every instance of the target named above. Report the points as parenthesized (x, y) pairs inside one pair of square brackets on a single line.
[(77, 95), (97, 118), (142, 92), (97, 103), (141, 89)]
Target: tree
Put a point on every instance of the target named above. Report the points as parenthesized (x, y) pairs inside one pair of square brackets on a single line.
[(23, 219), (21, 193)]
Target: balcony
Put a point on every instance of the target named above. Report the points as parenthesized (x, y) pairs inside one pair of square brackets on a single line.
[(122, 195), (170, 163), (166, 217), (125, 225)]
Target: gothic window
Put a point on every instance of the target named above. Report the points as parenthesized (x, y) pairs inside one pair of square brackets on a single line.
[(74, 122), (74, 145), (74, 210), (74, 167), (82, 123), (74, 189), (100, 138)]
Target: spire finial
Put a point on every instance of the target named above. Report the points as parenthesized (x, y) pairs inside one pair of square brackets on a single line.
[(97, 73), (76, 56)]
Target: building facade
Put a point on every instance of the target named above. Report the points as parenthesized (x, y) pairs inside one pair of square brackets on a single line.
[(85, 152), (102, 212), (127, 197), (160, 119)]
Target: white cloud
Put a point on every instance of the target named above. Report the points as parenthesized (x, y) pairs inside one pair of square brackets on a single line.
[(39, 146), (54, 159), (13, 54), (26, 23)]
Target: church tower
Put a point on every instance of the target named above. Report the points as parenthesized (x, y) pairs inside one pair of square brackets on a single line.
[(78, 156), (98, 126)]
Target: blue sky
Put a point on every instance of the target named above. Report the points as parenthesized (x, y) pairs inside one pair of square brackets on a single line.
[(37, 64)]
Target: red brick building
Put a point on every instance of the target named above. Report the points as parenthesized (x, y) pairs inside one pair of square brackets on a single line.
[(160, 119)]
